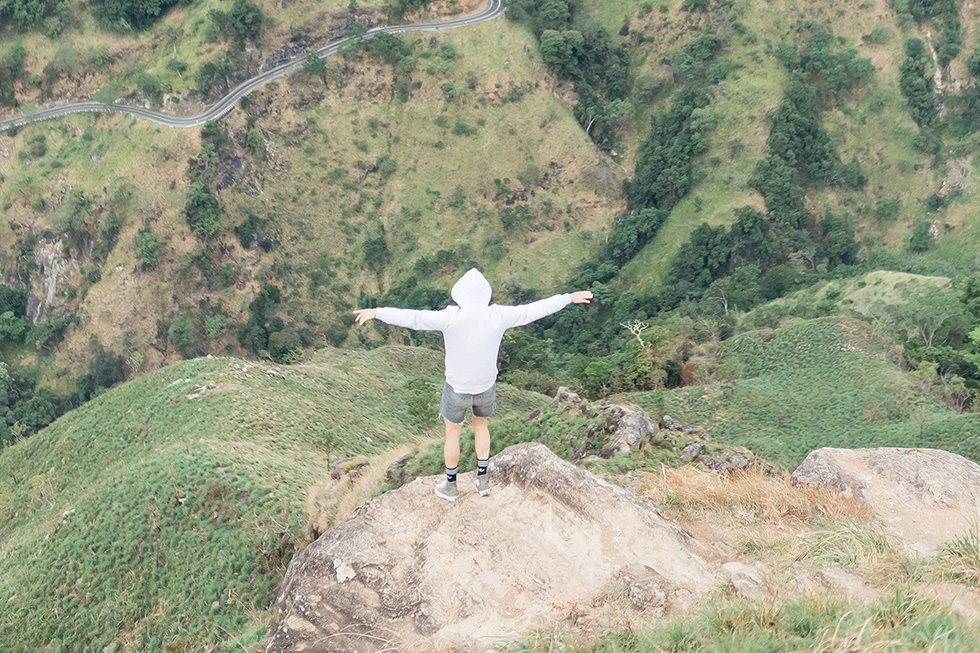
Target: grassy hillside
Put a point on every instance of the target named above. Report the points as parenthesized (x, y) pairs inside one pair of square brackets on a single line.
[(341, 167), (827, 382), (873, 124), (394, 176), (160, 516), (868, 297)]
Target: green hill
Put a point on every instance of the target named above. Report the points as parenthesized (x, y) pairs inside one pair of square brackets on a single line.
[(826, 382), (161, 515), (405, 164)]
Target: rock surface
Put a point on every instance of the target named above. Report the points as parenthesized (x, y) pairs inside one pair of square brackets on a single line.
[(407, 569), (921, 497), (631, 430)]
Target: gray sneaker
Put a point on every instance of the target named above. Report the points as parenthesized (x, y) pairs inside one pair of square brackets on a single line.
[(447, 491), (482, 484)]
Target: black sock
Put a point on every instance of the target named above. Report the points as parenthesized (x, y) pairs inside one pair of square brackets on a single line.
[(481, 466), (451, 474)]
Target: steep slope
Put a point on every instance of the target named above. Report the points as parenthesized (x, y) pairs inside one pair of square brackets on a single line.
[(349, 191), (162, 513), (384, 174)]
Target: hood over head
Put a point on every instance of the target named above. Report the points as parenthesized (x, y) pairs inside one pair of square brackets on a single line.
[(472, 289)]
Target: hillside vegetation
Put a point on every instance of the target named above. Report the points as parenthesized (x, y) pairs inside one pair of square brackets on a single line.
[(774, 203), (657, 153), (827, 382), (160, 516)]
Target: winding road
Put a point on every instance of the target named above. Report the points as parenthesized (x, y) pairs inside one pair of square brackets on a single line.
[(227, 103)]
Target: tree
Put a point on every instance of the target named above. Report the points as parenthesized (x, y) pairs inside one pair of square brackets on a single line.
[(126, 15), (921, 238), (256, 142), (663, 167), (243, 22), (754, 239), (560, 51), (916, 83), (631, 232), (315, 66), (552, 14), (11, 69), (933, 315), (214, 74), (12, 327), (839, 246), (13, 300), (184, 333), (702, 258)]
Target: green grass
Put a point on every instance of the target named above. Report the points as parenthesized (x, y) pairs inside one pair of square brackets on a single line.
[(827, 382), (152, 518), (573, 434), (866, 297), (902, 622)]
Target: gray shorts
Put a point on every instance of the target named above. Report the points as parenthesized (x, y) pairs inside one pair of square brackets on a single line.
[(453, 406)]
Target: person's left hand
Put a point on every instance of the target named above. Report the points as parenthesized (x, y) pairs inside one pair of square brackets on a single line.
[(365, 314), (581, 296)]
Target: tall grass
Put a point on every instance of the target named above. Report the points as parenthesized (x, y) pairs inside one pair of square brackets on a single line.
[(819, 624)]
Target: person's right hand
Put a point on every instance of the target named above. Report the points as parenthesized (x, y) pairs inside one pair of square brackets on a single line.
[(365, 315), (581, 296)]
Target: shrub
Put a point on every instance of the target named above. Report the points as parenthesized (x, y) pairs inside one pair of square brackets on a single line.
[(463, 129), (202, 211), (514, 217), (37, 145), (920, 240), (185, 335), (147, 248)]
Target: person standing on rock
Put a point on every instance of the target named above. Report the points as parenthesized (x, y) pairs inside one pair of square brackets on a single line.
[(472, 330)]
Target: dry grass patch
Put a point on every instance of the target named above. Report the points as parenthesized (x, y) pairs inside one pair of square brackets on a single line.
[(330, 500), (752, 494)]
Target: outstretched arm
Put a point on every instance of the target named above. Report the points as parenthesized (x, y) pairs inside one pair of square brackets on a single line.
[(404, 317), (515, 316)]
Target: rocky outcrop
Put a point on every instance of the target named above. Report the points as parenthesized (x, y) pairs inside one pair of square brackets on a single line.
[(630, 430), (54, 271), (408, 569), (921, 497)]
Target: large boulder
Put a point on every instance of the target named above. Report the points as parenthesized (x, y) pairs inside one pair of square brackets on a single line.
[(409, 569), (922, 497)]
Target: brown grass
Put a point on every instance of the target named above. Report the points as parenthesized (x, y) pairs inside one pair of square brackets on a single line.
[(750, 493), (328, 501)]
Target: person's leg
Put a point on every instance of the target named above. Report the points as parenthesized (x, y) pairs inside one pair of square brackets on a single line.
[(481, 434), (450, 449), (483, 407), (452, 409)]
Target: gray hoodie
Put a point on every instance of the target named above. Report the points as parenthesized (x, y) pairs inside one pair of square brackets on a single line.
[(473, 329)]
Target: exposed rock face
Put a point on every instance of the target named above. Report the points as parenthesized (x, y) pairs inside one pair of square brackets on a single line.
[(565, 395), (630, 430), (922, 497), (54, 271), (408, 569)]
